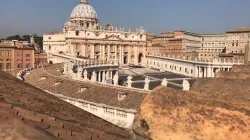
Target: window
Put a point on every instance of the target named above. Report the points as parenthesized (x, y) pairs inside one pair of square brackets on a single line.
[(8, 53), (140, 36), (27, 60), (1, 60), (49, 47), (1, 66), (19, 55), (28, 55), (28, 65), (19, 66), (77, 33), (1, 53), (8, 66), (8, 60)]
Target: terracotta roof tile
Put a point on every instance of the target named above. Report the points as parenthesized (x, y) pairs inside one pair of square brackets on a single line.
[(94, 93), (34, 107)]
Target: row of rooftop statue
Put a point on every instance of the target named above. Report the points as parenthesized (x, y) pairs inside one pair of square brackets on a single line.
[(113, 78)]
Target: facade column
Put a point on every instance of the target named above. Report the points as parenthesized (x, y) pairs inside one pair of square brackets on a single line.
[(108, 52), (122, 54), (83, 49), (103, 52), (129, 54), (100, 48), (92, 54), (136, 55), (120, 50), (115, 52), (144, 55)]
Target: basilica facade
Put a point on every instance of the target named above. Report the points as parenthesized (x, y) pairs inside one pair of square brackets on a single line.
[(84, 37)]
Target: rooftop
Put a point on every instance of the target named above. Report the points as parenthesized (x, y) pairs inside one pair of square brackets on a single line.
[(95, 93), (240, 30), (34, 107)]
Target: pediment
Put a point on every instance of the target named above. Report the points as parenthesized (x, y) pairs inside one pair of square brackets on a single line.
[(112, 37)]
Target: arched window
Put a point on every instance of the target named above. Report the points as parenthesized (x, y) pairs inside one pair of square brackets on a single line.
[(49, 47)]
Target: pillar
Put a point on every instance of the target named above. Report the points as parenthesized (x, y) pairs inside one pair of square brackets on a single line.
[(107, 75), (144, 55), (120, 53), (108, 52), (209, 71), (196, 72), (103, 76), (99, 76), (116, 53), (100, 48), (129, 54), (92, 54), (103, 52)]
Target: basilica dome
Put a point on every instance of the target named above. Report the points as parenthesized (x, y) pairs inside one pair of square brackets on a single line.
[(84, 10)]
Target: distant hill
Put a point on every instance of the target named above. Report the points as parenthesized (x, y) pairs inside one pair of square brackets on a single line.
[(38, 39)]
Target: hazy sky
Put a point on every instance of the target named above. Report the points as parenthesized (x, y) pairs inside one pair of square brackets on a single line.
[(200, 16)]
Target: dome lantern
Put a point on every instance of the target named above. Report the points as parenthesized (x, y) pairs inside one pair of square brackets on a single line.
[(84, 1)]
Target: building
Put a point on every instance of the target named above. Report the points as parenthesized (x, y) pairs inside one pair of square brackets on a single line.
[(176, 43), (83, 36), (203, 46), (211, 46), (13, 59), (7, 58), (237, 40), (23, 58), (40, 59)]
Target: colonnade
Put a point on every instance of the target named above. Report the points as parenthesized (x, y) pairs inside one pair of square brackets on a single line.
[(208, 71), (191, 68), (104, 76)]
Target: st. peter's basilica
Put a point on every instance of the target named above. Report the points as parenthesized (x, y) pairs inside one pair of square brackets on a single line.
[(84, 37)]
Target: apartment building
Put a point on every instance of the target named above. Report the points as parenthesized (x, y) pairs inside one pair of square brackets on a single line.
[(7, 58)]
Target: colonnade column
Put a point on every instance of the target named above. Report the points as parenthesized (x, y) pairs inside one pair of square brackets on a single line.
[(196, 72), (103, 76), (209, 72), (99, 76), (213, 75)]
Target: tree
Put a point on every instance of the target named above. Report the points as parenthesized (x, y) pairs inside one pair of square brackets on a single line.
[(15, 37)]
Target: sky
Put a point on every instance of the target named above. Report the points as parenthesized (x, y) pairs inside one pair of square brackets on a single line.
[(156, 16)]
